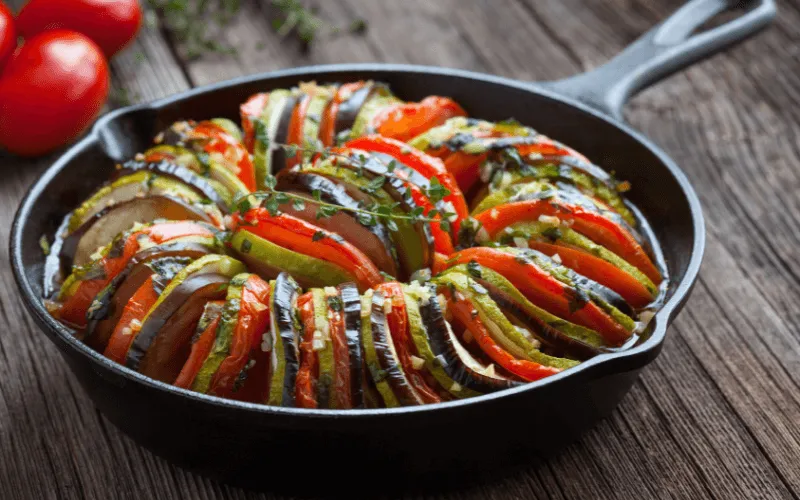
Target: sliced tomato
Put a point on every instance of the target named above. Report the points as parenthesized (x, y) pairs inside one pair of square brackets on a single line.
[(295, 135), (200, 350), (235, 156), (599, 270), (302, 237), (341, 357), (404, 121), (544, 290), (306, 381), (463, 312), (429, 166), (132, 317), (253, 320), (250, 113), (73, 310), (399, 329), (597, 227)]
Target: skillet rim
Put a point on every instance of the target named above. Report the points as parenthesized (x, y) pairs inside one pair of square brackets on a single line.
[(621, 361)]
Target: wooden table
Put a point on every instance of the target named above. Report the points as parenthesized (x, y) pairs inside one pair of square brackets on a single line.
[(717, 415)]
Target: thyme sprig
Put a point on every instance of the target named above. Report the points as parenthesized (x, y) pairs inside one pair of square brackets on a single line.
[(271, 198)]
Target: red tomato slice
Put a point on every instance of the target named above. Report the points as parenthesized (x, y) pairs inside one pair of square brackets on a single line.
[(306, 381), (597, 227), (599, 270), (303, 237), (122, 338), (341, 359), (295, 135), (253, 320), (200, 351), (406, 121), (544, 290), (250, 112), (464, 313)]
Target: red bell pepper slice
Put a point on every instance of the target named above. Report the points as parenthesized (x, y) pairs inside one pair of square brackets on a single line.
[(307, 374), (237, 158), (404, 121), (327, 127), (544, 290), (341, 358), (302, 237), (124, 333), (463, 312), (599, 270), (253, 320), (250, 113), (399, 330), (597, 227), (73, 310), (429, 166), (295, 134), (200, 351)]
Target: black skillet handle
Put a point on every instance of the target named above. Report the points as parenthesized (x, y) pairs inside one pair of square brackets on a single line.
[(665, 49)]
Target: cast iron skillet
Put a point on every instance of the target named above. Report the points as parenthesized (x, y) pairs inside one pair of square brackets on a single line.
[(289, 448)]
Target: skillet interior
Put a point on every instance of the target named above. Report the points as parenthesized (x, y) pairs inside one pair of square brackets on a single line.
[(239, 442)]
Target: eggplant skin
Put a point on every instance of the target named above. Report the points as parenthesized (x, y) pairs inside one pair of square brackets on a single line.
[(442, 343), (179, 173), (351, 307), (285, 358), (158, 317)]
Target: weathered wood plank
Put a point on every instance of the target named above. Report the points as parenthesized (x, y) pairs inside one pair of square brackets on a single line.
[(717, 413)]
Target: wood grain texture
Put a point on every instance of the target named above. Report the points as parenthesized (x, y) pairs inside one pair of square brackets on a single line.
[(717, 415)]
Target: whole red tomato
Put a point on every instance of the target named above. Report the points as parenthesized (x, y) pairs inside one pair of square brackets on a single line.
[(112, 24), (51, 89), (8, 35)]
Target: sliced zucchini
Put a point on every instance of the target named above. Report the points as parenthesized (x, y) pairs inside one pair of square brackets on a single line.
[(268, 260), (323, 346)]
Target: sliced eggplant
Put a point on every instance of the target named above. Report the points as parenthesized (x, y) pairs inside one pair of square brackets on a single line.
[(128, 187), (285, 339), (375, 103), (377, 381), (163, 345), (208, 275), (350, 107), (278, 158), (419, 329), (101, 228), (387, 355), (351, 307), (372, 239), (454, 358), (168, 169)]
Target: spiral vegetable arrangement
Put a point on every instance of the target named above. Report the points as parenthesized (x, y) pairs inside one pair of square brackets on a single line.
[(325, 255)]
